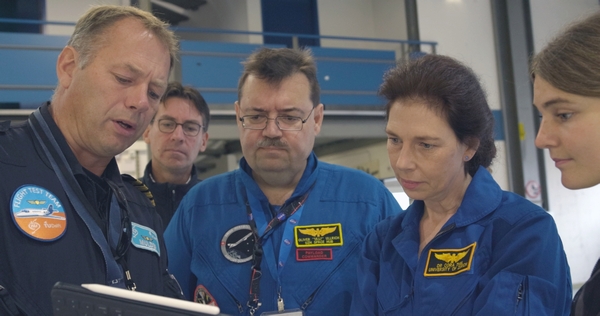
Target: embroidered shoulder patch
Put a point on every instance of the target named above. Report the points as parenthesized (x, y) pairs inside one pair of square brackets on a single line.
[(38, 213), (447, 262), (144, 238), (318, 235)]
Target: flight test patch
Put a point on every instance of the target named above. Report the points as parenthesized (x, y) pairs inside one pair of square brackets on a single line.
[(448, 262), (38, 213), (325, 235)]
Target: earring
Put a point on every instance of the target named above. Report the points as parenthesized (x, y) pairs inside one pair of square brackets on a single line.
[(466, 158)]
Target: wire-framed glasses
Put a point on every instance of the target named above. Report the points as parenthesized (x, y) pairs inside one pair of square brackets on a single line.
[(169, 125), (283, 122)]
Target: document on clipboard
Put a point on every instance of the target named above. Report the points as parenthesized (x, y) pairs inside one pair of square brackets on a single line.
[(98, 299)]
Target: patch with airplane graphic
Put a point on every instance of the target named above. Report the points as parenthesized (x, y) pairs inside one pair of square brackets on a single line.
[(144, 238), (38, 213), (325, 235), (447, 262), (237, 245)]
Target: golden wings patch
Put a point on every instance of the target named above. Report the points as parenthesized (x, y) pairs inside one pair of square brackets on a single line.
[(447, 262), (326, 235)]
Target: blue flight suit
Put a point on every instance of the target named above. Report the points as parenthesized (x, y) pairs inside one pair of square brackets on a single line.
[(499, 254), (31, 264), (317, 279)]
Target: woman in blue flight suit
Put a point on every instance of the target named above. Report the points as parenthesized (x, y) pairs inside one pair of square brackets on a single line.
[(464, 246)]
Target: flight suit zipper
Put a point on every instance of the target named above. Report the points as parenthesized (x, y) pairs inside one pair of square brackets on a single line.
[(312, 296), (519, 296), (173, 205), (237, 303), (440, 233)]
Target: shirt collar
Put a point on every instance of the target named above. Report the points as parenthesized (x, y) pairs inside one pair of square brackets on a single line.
[(482, 197)]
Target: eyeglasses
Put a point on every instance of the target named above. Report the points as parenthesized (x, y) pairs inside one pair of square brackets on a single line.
[(284, 122), (169, 126)]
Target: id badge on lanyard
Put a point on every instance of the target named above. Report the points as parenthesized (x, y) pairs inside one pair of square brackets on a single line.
[(293, 209)]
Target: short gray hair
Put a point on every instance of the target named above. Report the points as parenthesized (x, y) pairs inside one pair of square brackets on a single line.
[(90, 28)]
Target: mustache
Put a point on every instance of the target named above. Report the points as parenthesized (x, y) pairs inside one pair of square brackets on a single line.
[(271, 142)]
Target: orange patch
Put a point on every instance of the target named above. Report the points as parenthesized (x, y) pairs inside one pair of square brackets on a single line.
[(44, 228)]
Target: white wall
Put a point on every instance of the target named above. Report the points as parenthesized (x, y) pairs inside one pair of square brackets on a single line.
[(381, 19), (464, 30), (576, 212), (70, 11)]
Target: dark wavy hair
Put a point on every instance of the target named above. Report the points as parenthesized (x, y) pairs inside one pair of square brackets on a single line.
[(275, 64), (452, 90)]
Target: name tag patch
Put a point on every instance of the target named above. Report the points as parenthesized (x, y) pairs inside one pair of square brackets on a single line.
[(314, 254), (447, 262), (38, 213), (144, 238), (325, 235)]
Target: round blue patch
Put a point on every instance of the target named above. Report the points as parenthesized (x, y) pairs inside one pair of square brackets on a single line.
[(38, 213)]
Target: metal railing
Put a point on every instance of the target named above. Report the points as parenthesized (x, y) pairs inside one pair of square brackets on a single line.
[(403, 44)]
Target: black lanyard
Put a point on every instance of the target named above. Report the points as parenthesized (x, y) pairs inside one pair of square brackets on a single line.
[(284, 213)]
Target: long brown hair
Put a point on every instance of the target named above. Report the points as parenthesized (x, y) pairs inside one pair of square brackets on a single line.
[(571, 61)]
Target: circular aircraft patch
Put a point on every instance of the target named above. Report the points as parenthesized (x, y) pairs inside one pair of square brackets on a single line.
[(38, 213), (237, 244)]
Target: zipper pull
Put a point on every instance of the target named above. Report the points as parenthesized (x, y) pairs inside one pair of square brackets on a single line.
[(280, 305)]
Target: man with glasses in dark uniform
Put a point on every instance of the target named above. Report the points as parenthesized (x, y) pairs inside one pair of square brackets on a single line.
[(66, 213), (282, 233), (176, 134)]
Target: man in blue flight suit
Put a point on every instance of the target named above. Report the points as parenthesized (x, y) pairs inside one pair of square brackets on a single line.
[(66, 214), (283, 232)]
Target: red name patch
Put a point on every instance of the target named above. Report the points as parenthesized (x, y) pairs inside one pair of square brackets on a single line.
[(314, 254)]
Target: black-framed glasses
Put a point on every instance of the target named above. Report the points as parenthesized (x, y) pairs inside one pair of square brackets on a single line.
[(169, 126), (283, 122)]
